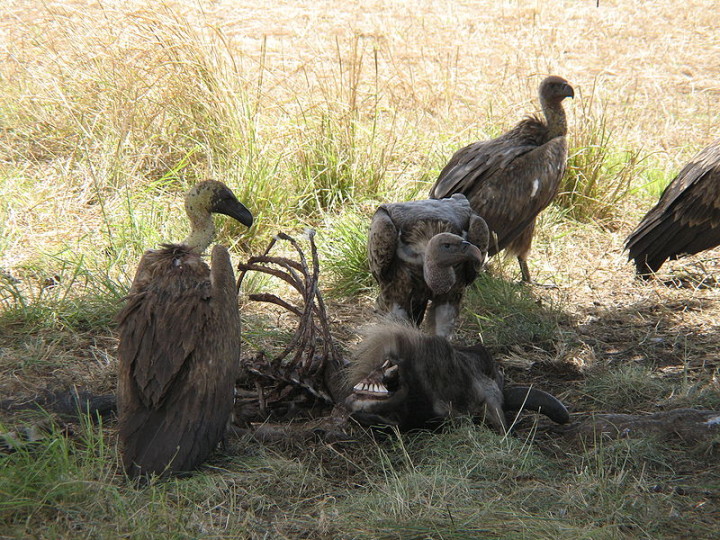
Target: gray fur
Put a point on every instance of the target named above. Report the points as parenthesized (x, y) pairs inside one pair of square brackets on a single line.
[(433, 381)]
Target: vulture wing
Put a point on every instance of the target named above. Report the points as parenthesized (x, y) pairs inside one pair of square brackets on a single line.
[(454, 211), (507, 185), (179, 359), (479, 235), (473, 164), (382, 243), (478, 232), (686, 219), (167, 310)]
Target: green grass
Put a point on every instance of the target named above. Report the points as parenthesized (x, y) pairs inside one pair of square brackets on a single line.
[(627, 388), (55, 476), (506, 313), (599, 176), (343, 246), (465, 482), (29, 309)]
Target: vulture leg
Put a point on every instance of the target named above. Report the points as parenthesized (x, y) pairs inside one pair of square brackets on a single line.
[(525, 273), (524, 270), (442, 314), (520, 247), (417, 310), (396, 298)]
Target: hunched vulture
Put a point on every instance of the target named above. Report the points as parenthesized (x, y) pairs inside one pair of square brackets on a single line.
[(422, 251)]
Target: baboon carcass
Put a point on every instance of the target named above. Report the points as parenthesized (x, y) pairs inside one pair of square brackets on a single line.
[(402, 377)]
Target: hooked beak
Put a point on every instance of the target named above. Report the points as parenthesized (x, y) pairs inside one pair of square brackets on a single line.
[(235, 209), (475, 253), (569, 92)]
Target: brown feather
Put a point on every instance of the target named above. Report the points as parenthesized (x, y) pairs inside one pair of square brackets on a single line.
[(511, 179), (179, 357), (686, 219)]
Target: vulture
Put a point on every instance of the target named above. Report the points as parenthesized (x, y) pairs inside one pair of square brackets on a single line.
[(511, 179), (179, 349), (686, 219), (422, 251)]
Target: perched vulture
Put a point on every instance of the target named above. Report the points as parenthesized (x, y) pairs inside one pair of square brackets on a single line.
[(511, 179), (686, 219), (426, 250), (179, 348)]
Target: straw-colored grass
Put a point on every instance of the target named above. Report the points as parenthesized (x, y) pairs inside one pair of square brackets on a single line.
[(314, 113)]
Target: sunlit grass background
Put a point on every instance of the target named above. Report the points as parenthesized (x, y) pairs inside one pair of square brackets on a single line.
[(314, 113)]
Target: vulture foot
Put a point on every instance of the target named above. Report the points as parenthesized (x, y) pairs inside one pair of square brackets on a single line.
[(525, 273)]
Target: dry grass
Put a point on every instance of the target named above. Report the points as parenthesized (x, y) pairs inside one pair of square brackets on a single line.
[(315, 111)]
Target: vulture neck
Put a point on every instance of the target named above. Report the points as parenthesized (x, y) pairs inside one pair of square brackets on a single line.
[(439, 276), (202, 230), (555, 118)]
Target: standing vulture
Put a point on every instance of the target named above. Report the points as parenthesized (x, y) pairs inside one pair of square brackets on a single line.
[(511, 179), (426, 250), (686, 219), (179, 348)]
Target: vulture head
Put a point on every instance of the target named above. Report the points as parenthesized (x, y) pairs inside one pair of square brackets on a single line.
[(202, 201), (443, 251), (554, 89)]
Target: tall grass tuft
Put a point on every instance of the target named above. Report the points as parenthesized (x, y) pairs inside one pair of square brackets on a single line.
[(507, 313), (79, 296), (347, 140), (336, 167), (159, 91), (343, 245), (599, 176)]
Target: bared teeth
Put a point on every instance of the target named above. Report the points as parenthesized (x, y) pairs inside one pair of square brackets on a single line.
[(371, 388), (391, 370)]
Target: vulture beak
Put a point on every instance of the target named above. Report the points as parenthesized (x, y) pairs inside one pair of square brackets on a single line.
[(474, 252), (235, 209), (569, 92)]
